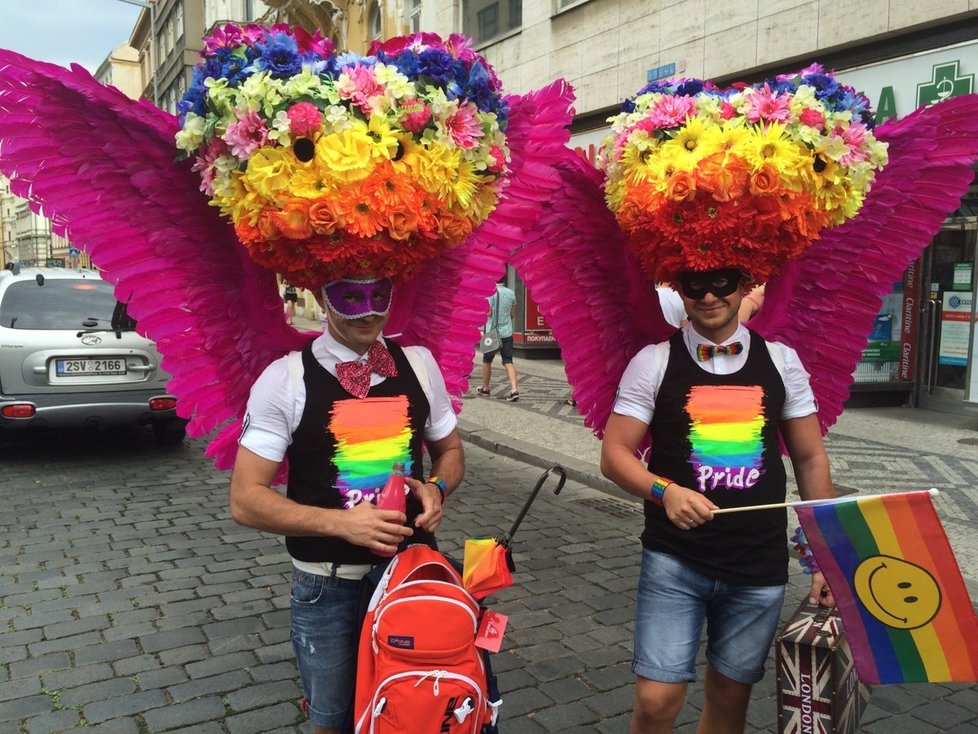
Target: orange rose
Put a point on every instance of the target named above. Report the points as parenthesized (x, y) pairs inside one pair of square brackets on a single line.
[(765, 181), (293, 220), (322, 218), (268, 226), (680, 186), (402, 223), (453, 229), (723, 176)]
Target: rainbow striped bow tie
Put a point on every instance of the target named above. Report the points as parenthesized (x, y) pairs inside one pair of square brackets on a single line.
[(707, 351)]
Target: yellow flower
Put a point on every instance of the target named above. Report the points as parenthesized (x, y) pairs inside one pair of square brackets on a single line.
[(689, 137), (436, 167), (770, 145), (346, 155), (268, 172), (385, 146), (192, 133), (241, 201)]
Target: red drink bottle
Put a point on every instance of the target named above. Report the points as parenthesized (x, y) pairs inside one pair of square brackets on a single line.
[(392, 496)]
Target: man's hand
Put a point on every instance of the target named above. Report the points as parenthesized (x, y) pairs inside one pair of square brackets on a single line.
[(820, 592), (685, 508), (430, 497), (379, 530)]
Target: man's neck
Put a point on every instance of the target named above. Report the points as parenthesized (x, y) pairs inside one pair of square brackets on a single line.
[(718, 336)]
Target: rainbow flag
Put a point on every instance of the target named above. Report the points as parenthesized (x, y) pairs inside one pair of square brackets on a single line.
[(904, 605)]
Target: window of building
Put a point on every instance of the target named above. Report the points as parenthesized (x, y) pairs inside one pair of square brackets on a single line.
[(484, 20), (413, 10), (488, 22), (375, 23)]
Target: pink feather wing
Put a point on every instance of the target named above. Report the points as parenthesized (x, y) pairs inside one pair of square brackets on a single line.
[(601, 309), (824, 304), (102, 167), (445, 307)]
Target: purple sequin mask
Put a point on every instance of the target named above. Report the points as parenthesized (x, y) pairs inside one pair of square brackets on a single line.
[(355, 299)]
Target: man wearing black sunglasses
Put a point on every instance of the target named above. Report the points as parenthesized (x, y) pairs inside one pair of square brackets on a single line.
[(716, 398)]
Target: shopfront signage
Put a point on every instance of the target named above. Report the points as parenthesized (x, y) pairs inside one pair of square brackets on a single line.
[(957, 316), (899, 86)]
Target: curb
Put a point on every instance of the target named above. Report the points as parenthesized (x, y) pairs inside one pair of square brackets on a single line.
[(579, 471)]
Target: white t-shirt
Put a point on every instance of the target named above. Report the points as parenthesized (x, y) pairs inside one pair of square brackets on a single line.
[(672, 305), (275, 407), (640, 384)]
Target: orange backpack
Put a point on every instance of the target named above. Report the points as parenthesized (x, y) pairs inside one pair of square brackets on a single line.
[(418, 669)]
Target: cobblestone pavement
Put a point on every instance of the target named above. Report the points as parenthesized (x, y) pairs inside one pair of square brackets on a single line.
[(131, 603)]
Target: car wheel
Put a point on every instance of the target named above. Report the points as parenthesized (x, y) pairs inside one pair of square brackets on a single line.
[(169, 433)]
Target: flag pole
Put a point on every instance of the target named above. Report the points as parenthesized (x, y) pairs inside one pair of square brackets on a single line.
[(933, 491)]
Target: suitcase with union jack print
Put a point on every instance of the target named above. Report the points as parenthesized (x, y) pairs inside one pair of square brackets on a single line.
[(818, 689)]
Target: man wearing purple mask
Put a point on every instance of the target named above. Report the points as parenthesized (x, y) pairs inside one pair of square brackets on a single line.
[(345, 411)]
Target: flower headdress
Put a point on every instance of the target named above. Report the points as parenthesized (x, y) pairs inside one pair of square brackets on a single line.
[(746, 177), (330, 163)]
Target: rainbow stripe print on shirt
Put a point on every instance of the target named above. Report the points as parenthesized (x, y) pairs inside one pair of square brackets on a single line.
[(726, 424), (372, 434)]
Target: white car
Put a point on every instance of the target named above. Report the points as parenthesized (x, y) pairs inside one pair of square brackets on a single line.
[(70, 357)]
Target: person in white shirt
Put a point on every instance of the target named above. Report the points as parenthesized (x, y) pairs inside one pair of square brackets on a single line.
[(715, 398), (346, 412)]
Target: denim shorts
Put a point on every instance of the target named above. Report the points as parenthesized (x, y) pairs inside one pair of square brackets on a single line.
[(325, 633), (673, 603), (505, 351)]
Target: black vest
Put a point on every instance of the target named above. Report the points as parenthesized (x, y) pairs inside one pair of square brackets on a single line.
[(718, 434), (345, 448)]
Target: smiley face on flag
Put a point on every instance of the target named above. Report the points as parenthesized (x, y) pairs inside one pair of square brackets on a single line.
[(898, 593)]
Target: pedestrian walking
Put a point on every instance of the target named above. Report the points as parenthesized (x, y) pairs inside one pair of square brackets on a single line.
[(502, 307)]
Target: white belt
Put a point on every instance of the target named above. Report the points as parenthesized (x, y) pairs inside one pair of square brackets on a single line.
[(349, 571)]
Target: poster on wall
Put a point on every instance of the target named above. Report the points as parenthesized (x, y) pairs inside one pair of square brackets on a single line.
[(956, 318)]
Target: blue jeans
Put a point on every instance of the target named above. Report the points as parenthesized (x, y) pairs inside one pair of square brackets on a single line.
[(673, 603), (325, 631)]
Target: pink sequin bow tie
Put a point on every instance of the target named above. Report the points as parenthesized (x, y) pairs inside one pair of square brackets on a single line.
[(708, 351), (354, 376)]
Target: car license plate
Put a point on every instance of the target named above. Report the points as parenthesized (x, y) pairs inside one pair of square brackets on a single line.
[(90, 367)]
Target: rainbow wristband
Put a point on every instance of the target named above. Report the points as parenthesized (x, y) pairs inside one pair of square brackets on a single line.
[(659, 488), (440, 483)]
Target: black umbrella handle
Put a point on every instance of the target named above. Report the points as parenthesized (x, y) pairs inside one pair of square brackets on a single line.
[(508, 538)]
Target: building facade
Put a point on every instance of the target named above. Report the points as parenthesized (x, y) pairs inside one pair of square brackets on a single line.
[(902, 54)]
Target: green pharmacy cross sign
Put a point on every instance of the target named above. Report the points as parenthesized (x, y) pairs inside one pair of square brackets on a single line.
[(944, 83)]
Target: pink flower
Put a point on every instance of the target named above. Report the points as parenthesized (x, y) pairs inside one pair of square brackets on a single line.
[(464, 127), (414, 115), (766, 105), (853, 136), (204, 164), (727, 111), (246, 135), (227, 37), (315, 42), (499, 157), (812, 118), (357, 84), (304, 118), (669, 111)]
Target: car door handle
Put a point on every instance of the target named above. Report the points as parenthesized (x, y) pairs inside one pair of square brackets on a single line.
[(140, 368)]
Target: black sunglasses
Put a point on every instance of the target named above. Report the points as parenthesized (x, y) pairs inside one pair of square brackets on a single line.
[(720, 283)]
